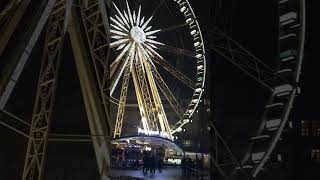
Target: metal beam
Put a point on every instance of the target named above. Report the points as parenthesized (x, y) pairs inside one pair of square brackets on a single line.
[(232, 51), (8, 8), (178, 51), (96, 115), (42, 115), (14, 123), (10, 26), (143, 91), (225, 151), (159, 110), (179, 75), (17, 62), (166, 91), (122, 101), (96, 23)]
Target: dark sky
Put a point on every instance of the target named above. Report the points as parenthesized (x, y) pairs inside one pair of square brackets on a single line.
[(238, 99)]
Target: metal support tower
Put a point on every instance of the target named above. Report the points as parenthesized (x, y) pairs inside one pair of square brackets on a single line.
[(96, 114), (42, 115), (122, 101), (63, 18), (23, 48)]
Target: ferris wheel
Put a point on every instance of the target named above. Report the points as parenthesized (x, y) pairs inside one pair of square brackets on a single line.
[(150, 57), (264, 148)]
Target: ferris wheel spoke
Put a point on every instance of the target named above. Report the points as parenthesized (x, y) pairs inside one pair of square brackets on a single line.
[(166, 91), (117, 73), (123, 52), (115, 77), (176, 73), (171, 28), (232, 51), (157, 8), (176, 50), (113, 68)]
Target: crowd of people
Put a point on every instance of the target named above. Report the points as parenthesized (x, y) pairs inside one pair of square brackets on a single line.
[(189, 166), (151, 161), (133, 158), (126, 158)]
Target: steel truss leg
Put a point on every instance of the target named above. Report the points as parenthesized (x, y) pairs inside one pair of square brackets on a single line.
[(122, 102), (14, 14), (19, 57), (35, 157), (143, 113), (7, 9), (96, 26), (163, 121), (142, 87), (95, 20), (94, 108)]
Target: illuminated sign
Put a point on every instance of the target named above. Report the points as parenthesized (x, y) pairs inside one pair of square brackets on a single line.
[(152, 133)]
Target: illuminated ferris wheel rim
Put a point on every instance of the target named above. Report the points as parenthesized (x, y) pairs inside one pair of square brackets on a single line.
[(276, 115), (131, 31)]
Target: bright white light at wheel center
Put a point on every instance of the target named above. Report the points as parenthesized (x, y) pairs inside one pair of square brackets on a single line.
[(138, 34)]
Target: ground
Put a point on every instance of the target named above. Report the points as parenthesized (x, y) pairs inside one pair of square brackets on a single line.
[(166, 174)]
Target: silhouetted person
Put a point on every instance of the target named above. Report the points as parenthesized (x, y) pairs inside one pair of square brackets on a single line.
[(145, 162), (136, 163), (197, 162), (153, 164), (183, 165), (160, 163), (189, 166)]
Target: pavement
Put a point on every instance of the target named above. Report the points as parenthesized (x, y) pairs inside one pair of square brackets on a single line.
[(166, 174)]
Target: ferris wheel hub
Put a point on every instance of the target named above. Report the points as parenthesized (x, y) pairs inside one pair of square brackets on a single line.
[(138, 35)]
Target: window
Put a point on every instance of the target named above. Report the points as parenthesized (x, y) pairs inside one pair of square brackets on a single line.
[(315, 128), (315, 154), (187, 143), (305, 131), (305, 128), (315, 132), (310, 128)]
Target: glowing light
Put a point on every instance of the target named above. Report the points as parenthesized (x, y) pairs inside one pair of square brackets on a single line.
[(148, 132), (128, 28), (174, 161), (153, 133), (138, 34)]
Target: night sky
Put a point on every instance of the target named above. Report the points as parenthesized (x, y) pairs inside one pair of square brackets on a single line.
[(238, 100)]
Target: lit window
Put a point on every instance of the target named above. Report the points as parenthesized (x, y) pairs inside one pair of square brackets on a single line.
[(315, 128), (305, 131), (187, 143), (315, 154)]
